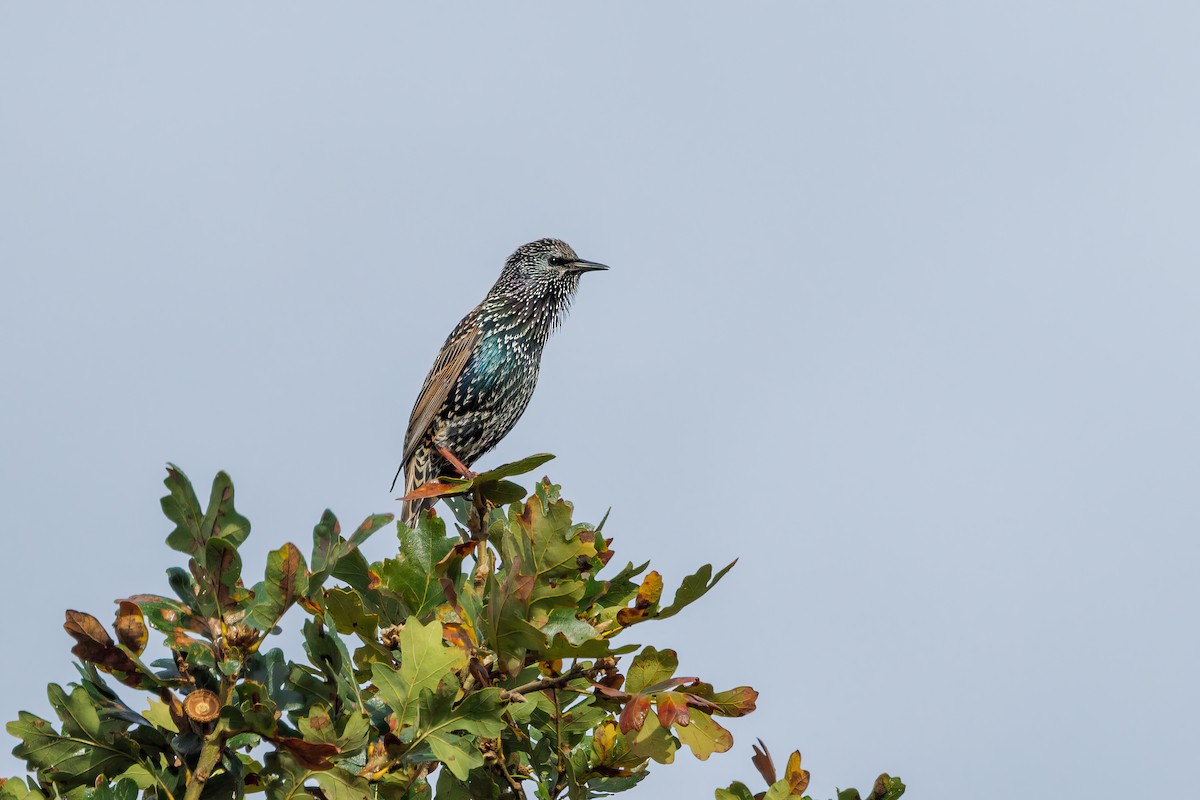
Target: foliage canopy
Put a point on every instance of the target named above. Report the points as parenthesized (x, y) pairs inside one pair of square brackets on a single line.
[(480, 662)]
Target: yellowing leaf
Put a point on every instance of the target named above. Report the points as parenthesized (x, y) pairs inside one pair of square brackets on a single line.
[(648, 595), (704, 736)]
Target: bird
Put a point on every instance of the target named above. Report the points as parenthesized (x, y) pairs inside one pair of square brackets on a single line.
[(486, 371)]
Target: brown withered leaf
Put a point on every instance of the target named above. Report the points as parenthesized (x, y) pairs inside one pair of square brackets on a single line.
[(95, 646), (797, 778), (87, 630), (311, 755), (633, 716), (672, 709), (763, 763), (131, 627)]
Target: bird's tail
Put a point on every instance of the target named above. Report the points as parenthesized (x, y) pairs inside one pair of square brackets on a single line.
[(417, 472)]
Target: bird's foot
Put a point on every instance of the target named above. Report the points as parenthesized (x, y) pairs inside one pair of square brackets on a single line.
[(454, 462)]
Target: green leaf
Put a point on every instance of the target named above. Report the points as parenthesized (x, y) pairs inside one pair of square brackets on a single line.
[(440, 725), (501, 493), (166, 615), (559, 647), (479, 786), (328, 653), (413, 575), (221, 519), (574, 630), (121, 789), (736, 791), (75, 710), (73, 759), (284, 779), (160, 716), (140, 776), (458, 753), (731, 703), (524, 465), (218, 574), (286, 581), (424, 664), (16, 789), (330, 549), (349, 733), (693, 588), (181, 507), (345, 607), (649, 667), (338, 784), (886, 788), (652, 741)]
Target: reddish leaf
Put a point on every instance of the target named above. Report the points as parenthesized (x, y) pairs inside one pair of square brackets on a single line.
[(699, 702), (633, 716), (612, 692), (437, 489), (672, 709)]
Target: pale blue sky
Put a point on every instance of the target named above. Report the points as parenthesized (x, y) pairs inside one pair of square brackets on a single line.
[(903, 312)]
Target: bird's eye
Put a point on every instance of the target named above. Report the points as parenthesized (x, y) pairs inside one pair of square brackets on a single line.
[(557, 261)]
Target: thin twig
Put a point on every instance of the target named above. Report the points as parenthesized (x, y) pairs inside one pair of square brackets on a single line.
[(560, 781), (558, 682), (517, 789)]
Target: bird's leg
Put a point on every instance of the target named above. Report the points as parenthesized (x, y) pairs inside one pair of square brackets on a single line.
[(454, 462)]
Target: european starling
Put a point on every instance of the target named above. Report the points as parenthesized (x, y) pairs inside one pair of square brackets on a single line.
[(484, 375)]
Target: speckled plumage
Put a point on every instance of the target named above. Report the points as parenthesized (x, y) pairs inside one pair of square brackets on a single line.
[(486, 371)]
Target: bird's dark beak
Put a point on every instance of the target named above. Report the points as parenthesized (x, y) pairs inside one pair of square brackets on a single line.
[(580, 265)]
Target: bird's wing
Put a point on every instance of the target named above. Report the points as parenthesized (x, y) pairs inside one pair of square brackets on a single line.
[(441, 379)]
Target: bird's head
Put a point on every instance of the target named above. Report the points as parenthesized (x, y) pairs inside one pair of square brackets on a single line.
[(544, 273)]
